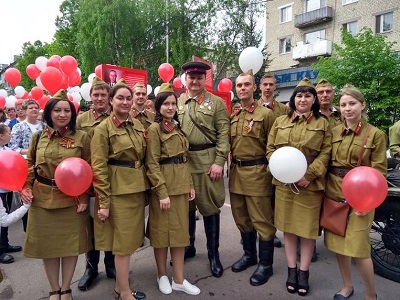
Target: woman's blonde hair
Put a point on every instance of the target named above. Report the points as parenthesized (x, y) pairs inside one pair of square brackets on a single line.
[(354, 92)]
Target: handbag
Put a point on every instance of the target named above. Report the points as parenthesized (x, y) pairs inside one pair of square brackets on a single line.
[(335, 214)]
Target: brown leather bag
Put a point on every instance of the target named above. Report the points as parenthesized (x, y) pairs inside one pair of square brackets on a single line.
[(334, 216)]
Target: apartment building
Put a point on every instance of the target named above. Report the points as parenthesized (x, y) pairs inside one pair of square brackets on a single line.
[(299, 31)]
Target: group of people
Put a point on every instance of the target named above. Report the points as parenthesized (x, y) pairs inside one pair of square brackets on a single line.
[(173, 160)]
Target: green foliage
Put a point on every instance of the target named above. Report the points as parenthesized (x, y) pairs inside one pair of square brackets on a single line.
[(370, 63)]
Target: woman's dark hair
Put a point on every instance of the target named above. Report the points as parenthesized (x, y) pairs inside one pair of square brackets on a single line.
[(49, 108), (304, 89), (160, 98), (115, 88), (3, 116)]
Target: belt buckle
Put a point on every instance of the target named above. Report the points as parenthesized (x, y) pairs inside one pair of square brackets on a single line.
[(238, 162), (53, 184), (137, 164), (184, 159)]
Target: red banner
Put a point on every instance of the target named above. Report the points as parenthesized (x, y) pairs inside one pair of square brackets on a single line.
[(111, 74)]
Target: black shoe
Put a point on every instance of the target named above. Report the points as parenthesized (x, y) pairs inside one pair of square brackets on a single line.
[(87, 279), (211, 227), (291, 282), (249, 257), (110, 271), (136, 294), (190, 252), (338, 296), (264, 269), (303, 287), (277, 242), (10, 249), (6, 258)]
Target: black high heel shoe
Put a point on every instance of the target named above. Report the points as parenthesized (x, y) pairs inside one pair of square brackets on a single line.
[(303, 286), (291, 282)]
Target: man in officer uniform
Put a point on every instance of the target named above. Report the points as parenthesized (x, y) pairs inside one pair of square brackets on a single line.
[(139, 110), (205, 120), (268, 87), (251, 199), (325, 95), (87, 122)]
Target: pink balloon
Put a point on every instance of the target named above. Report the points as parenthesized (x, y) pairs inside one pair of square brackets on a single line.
[(177, 82), (97, 71), (166, 72), (68, 64), (12, 76), (53, 62), (55, 56), (32, 71)]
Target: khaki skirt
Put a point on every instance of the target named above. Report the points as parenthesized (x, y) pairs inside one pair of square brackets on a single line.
[(123, 231), (169, 228), (57, 232), (356, 242), (298, 213)]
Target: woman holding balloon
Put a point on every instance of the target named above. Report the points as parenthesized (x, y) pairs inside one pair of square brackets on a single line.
[(298, 200), (57, 223), (347, 142)]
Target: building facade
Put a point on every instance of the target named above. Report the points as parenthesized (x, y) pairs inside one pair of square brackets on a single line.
[(299, 31)]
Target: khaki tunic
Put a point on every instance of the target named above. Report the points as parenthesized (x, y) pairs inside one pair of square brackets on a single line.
[(210, 112), (121, 189), (300, 215), (394, 140), (334, 118), (277, 107), (168, 228), (345, 153), (146, 118), (251, 187), (89, 120), (54, 228)]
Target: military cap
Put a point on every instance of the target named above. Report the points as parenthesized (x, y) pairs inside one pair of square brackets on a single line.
[(121, 82), (61, 95), (323, 82), (97, 81), (166, 88), (306, 82), (195, 67), (139, 85)]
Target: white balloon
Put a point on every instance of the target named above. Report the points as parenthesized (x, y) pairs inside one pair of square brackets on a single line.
[(232, 95), (85, 91), (19, 91), (76, 88), (183, 79), (77, 97), (91, 77), (39, 83), (41, 62), (10, 101), (288, 164), (251, 58), (156, 90), (3, 93), (79, 71), (149, 89)]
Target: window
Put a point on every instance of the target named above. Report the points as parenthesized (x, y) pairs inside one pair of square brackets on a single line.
[(314, 4), (315, 36), (344, 2), (285, 45), (384, 23), (351, 27), (285, 13)]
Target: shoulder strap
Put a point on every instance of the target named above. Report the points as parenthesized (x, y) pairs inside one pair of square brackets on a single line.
[(369, 127), (36, 144), (199, 127)]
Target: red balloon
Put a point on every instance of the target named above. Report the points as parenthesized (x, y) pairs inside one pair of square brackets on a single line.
[(68, 64), (43, 101), (364, 188), (64, 83), (36, 93), (19, 102), (55, 56), (166, 72), (70, 97), (12, 76), (225, 85), (26, 96), (76, 104), (51, 79), (2, 102), (73, 176), (13, 163), (53, 62), (74, 79), (97, 71), (177, 82), (32, 71)]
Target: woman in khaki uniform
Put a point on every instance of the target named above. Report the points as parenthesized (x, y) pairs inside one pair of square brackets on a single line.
[(57, 223), (297, 214), (346, 145), (118, 149), (169, 174)]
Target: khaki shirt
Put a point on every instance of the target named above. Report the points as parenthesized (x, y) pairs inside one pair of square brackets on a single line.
[(277, 107), (89, 120), (312, 137), (209, 112), (51, 151), (146, 117), (120, 140), (334, 118), (394, 140), (249, 135), (167, 179)]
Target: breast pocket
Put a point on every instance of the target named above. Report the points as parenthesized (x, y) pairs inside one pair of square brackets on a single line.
[(120, 142), (171, 143), (282, 135), (234, 126), (368, 149), (314, 137), (335, 145)]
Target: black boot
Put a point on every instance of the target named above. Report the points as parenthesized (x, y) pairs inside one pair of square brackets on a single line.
[(211, 226), (92, 258), (264, 269), (190, 251), (109, 264), (249, 257)]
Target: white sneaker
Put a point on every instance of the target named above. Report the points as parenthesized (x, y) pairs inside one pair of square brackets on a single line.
[(186, 287), (163, 285)]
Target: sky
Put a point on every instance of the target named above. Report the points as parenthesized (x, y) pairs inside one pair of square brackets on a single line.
[(25, 21)]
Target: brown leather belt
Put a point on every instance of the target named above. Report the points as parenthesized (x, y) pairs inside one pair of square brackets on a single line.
[(179, 159), (46, 181), (310, 159), (249, 163), (125, 163), (200, 147), (339, 171)]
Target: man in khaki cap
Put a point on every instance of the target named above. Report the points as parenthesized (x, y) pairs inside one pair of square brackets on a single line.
[(139, 110), (268, 87), (326, 94), (87, 122), (205, 120)]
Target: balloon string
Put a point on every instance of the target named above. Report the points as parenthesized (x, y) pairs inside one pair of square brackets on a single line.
[(293, 185)]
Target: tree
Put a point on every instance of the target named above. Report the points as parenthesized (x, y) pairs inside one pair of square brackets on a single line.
[(370, 63)]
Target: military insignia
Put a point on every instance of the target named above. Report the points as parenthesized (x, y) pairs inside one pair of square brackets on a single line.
[(309, 117), (146, 135), (67, 142), (358, 128), (249, 126), (168, 126), (181, 107), (251, 108)]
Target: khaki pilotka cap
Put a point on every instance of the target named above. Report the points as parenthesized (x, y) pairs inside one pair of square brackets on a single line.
[(121, 82), (306, 82), (139, 85), (61, 95), (323, 82), (97, 81), (166, 88)]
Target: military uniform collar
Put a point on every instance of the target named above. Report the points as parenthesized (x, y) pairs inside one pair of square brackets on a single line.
[(356, 128), (136, 112), (308, 116), (270, 105), (51, 132), (96, 114), (169, 126), (198, 98), (251, 107), (117, 122)]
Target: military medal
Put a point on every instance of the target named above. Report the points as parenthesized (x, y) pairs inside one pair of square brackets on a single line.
[(249, 126)]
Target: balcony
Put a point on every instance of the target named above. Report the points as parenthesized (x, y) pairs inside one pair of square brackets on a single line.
[(321, 15), (320, 48)]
